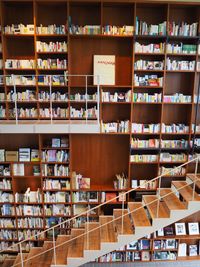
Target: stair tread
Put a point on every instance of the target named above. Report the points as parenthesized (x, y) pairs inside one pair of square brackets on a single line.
[(75, 249), (8, 262), (139, 217), (33, 262), (46, 258), (127, 228), (152, 208), (61, 251), (17, 261), (107, 232), (171, 200), (89, 243), (187, 191), (193, 177)]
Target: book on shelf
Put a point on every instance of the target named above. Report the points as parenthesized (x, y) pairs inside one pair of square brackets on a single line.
[(181, 48), (51, 29), (56, 142), (121, 181), (79, 182), (18, 169), (2, 155), (30, 222), (57, 209), (51, 46), (19, 29), (116, 96), (24, 154), (53, 155), (6, 197), (115, 127), (183, 29), (168, 231), (148, 80), (145, 256), (86, 29), (117, 30), (28, 210), (79, 208), (106, 196), (55, 170), (149, 48), (11, 155), (35, 155), (7, 210), (142, 28), (182, 250), (193, 250), (104, 70), (145, 128), (180, 229), (5, 170), (20, 64), (148, 65), (133, 245), (193, 228), (167, 157), (186, 65)]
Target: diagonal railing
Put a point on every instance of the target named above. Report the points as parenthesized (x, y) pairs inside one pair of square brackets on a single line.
[(87, 232)]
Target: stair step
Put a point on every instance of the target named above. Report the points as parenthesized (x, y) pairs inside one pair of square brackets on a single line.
[(61, 251), (76, 247), (186, 192), (17, 261), (192, 177), (139, 217), (89, 243), (46, 258), (108, 233), (152, 208), (127, 226), (33, 262), (171, 201), (8, 262)]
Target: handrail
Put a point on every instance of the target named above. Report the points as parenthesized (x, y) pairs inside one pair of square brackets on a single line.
[(115, 219), (100, 205)]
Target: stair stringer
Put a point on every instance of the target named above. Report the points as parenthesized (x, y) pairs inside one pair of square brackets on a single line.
[(122, 240)]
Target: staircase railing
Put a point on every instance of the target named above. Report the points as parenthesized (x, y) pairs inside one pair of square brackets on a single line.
[(123, 214)]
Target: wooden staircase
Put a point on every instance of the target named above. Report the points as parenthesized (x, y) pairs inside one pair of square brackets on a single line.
[(139, 219)]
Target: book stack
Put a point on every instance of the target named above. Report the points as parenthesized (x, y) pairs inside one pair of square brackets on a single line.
[(145, 97), (145, 128), (19, 29), (148, 80), (167, 157), (181, 48), (177, 98), (150, 143), (175, 128), (51, 29), (28, 95), (117, 30), (150, 48), (180, 64), (51, 46), (87, 29), (143, 158), (90, 113), (148, 65), (51, 63), (116, 96), (20, 64), (20, 80), (142, 28), (183, 29), (115, 127), (53, 79)]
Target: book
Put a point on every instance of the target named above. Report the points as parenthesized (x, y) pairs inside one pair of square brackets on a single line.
[(55, 142), (104, 70), (35, 155), (145, 256), (193, 250), (193, 228), (2, 155), (110, 196), (18, 169), (84, 183), (24, 154), (180, 229), (182, 250), (169, 230)]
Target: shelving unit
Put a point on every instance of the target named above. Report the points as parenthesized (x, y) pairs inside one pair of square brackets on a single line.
[(135, 116)]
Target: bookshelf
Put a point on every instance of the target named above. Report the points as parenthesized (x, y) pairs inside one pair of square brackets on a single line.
[(148, 118)]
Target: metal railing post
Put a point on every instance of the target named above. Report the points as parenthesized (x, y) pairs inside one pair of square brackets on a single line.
[(195, 174), (21, 255), (123, 196), (158, 204), (54, 248)]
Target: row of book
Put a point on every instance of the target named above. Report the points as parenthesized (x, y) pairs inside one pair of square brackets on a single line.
[(148, 98), (30, 222), (51, 29), (181, 48), (87, 29), (57, 209), (143, 158), (183, 29), (8, 234), (57, 142), (5, 184), (27, 95), (2, 112), (116, 96), (144, 184), (83, 112), (53, 80), (56, 184), (29, 196), (121, 181), (84, 196), (79, 182), (164, 157), (28, 210), (117, 30), (142, 28), (53, 155), (23, 113), (180, 64), (148, 65), (115, 127), (4, 170), (149, 48), (83, 97), (51, 63), (177, 98), (28, 234), (7, 223), (172, 171), (54, 96), (23, 154), (19, 29), (20, 64), (7, 210), (55, 170), (6, 197), (56, 112), (51, 46), (57, 197), (148, 80)]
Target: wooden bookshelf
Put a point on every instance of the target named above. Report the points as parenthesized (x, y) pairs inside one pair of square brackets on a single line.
[(101, 156)]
